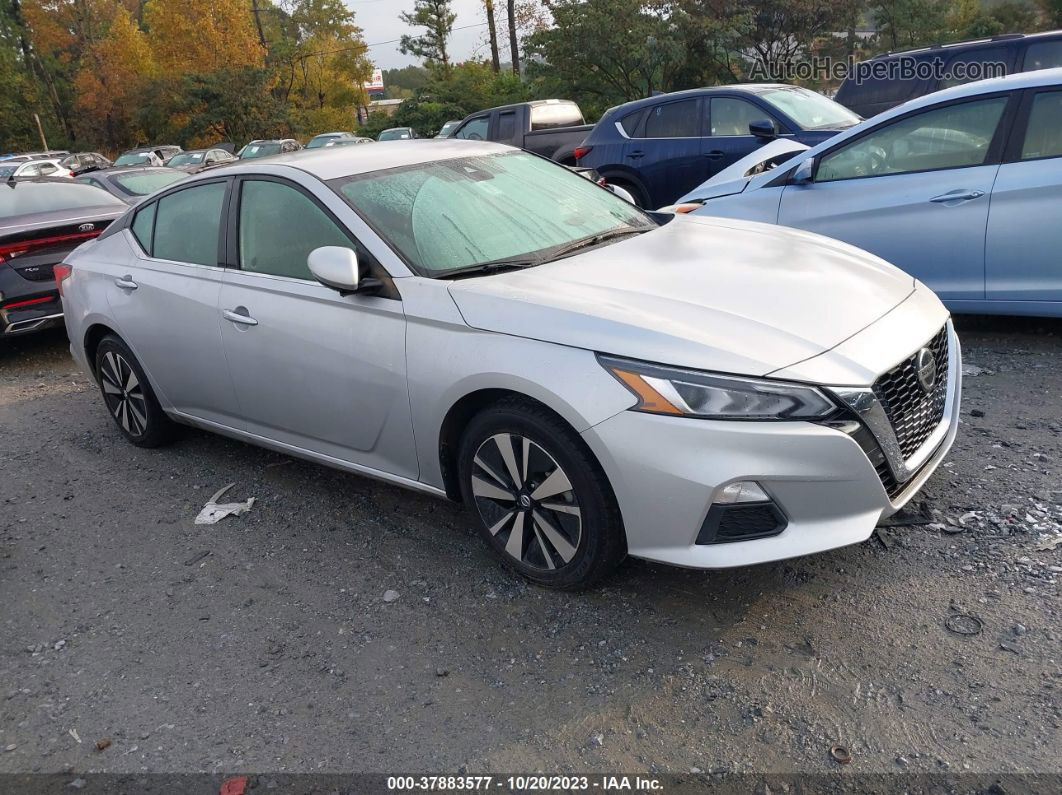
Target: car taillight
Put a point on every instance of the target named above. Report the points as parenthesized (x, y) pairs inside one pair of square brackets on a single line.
[(9, 251), (61, 273), (581, 151)]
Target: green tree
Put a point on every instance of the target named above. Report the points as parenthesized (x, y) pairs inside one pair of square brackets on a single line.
[(437, 18)]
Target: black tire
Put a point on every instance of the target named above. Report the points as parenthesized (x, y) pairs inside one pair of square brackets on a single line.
[(128, 396), (567, 538)]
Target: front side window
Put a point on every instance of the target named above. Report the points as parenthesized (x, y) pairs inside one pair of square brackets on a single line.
[(455, 214), (956, 136), (1043, 136), (279, 227), (673, 120), (730, 116), (475, 130), (188, 224)]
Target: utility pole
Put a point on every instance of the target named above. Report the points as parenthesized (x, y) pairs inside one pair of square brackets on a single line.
[(495, 62), (514, 45), (40, 130)]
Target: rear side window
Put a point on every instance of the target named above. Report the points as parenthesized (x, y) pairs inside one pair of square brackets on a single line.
[(629, 123), (673, 120), (1043, 137), (555, 114), (1043, 55), (279, 227), (977, 65), (506, 126), (143, 227), (188, 224)]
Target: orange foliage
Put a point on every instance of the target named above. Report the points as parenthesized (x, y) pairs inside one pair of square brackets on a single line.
[(202, 36)]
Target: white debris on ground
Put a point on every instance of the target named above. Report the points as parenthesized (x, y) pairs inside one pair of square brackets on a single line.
[(213, 512)]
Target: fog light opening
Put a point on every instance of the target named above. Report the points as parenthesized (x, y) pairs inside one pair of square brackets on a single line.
[(742, 491), (741, 511)]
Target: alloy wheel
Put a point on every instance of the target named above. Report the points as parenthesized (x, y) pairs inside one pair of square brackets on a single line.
[(123, 393), (526, 501)]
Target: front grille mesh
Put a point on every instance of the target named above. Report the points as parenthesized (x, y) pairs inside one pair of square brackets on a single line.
[(913, 413)]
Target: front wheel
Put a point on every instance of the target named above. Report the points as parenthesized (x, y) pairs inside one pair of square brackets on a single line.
[(543, 504)]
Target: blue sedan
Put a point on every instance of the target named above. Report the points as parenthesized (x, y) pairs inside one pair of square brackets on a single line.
[(958, 188)]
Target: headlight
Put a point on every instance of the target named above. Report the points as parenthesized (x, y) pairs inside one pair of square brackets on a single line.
[(667, 390)]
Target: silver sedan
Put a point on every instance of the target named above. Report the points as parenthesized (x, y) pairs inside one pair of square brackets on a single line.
[(478, 323)]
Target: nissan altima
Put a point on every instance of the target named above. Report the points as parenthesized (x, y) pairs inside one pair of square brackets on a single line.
[(478, 323)]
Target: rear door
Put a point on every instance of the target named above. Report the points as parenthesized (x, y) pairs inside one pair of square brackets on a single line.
[(668, 156), (914, 191), (727, 138), (504, 127), (1022, 261), (165, 298), (312, 368)]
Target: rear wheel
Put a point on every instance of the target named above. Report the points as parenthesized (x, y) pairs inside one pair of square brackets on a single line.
[(129, 397), (544, 505)]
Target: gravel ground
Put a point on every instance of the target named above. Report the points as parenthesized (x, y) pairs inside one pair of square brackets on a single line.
[(265, 643)]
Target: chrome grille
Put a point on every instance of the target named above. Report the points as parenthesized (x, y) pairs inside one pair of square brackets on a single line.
[(913, 413)]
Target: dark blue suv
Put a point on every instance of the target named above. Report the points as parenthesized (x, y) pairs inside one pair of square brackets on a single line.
[(661, 147)]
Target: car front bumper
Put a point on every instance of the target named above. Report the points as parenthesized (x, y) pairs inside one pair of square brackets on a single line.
[(668, 472)]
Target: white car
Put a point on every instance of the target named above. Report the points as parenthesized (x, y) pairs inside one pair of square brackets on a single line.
[(31, 169), (476, 322)]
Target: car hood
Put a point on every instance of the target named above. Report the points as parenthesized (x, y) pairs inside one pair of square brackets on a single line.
[(735, 177), (700, 292)]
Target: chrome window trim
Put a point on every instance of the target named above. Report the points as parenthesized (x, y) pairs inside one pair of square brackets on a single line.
[(866, 405)]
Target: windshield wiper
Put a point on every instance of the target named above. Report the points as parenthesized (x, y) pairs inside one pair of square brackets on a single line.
[(593, 240), (493, 266)]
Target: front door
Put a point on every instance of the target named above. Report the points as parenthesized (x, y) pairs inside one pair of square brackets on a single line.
[(1022, 257), (728, 139), (312, 368), (915, 192)]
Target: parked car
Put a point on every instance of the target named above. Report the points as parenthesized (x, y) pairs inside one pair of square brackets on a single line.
[(147, 155), (195, 160), (40, 223), (958, 188), (324, 138), (32, 169), (133, 184), (266, 147), (473, 321), (661, 147), (884, 82), (348, 141), (597, 179), (22, 157), (552, 128), (84, 162), (447, 129), (397, 134)]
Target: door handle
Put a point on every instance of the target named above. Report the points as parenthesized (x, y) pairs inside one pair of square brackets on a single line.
[(236, 316), (126, 283), (715, 154), (636, 154), (957, 196)]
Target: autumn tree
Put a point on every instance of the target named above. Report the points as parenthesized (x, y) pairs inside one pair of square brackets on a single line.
[(437, 18), (202, 36), (112, 73)]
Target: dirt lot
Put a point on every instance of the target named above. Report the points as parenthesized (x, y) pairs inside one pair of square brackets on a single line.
[(264, 643)]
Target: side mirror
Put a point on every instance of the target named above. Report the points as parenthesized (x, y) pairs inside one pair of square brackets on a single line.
[(763, 128), (804, 172), (335, 267)]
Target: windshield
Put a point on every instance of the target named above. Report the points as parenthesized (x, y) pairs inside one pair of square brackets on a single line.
[(133, 159), (453, 214), (810, 110), (149, 182), (186, 159), (320, 141), (396, 134), (259, 150), (41, 197)]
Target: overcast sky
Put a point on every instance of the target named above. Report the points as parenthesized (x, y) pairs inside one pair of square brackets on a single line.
[(379, 20)]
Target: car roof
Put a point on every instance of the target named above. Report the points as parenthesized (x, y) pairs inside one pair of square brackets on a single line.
[(342, 161), (1014, 82), (970, 44), (337, 132), (746, 88)]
